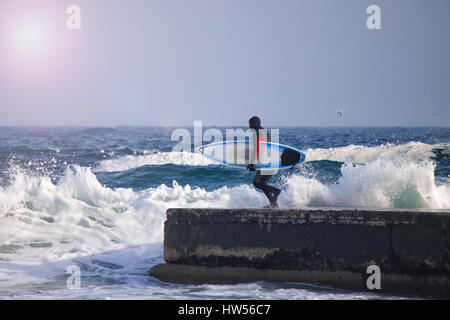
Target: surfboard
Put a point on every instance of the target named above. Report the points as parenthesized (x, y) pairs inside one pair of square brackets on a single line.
[(237, 154)]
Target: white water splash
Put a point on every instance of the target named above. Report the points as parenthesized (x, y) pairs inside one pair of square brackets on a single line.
[(378, 184), (160, 158), (415, 151)]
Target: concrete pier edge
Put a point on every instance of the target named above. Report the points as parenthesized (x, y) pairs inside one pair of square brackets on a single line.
[(331, 247), (413, 286)]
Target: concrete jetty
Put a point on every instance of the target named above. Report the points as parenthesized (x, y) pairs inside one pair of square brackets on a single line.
[(332, 247)]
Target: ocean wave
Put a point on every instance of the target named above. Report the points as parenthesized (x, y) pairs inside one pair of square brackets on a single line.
[(161, 158), (45, 223), (363, 154), (80, 202), (415, 151), (377, 184)]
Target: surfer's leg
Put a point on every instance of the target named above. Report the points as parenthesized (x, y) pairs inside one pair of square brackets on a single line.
[(275, 192), (260, 182)]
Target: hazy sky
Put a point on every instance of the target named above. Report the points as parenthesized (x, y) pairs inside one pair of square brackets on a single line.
[(166, 62)]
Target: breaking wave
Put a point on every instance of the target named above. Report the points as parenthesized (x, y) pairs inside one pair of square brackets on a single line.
[(160, 158)]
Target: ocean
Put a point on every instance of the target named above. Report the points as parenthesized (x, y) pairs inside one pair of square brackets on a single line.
[(94, 199)]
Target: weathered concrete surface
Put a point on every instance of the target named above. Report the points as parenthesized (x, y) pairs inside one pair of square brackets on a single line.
[(394, 283), (410, 247)]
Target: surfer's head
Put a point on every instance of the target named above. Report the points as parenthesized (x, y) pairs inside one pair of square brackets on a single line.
[(254, 123)]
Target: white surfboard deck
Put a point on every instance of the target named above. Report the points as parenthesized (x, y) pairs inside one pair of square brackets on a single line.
[(237, 154)]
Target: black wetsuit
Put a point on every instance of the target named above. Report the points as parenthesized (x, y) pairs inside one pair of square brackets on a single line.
[(260, 182)]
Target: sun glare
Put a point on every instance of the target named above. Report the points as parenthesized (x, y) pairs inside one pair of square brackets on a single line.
[(32, 47)]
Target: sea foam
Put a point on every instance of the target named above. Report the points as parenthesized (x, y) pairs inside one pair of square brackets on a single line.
[(160, 158), (377, 184), (361, 154), (46, 226)]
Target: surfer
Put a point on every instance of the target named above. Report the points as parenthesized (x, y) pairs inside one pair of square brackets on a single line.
[(260, 181)]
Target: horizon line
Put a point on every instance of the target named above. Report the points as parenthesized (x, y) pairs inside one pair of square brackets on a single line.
[(222, 126)]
